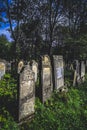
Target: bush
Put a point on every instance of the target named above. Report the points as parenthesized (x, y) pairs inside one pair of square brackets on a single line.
[(8, 94), (6, 121)]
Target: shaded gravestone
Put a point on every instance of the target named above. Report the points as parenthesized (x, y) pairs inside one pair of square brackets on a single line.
[(35, 69), (46, 78), (71, 67), (58, 71), (26, 93), (2, 69), (20, 66), (77, 79), (83, 70)]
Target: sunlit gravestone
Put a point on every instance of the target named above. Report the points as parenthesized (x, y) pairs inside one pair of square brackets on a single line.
[(46, 78), (82, 71), (20, 66), (2, 69), (26, 93), (35, 69), (58, 71)]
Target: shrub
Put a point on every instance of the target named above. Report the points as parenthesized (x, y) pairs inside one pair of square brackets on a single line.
[(6, 121)]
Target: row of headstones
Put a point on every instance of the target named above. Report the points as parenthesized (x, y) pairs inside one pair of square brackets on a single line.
[(79, 68), (50, 76), (28, 76)]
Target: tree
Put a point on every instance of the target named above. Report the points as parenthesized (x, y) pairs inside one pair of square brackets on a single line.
[(75, 13), (4, 48)]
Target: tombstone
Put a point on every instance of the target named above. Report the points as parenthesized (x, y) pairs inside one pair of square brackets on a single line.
[(46, 78), (71, 67), (26, 93), (82, 71), (77, 79), (58, 71), (2, 69), (35, 69), (20, 66)]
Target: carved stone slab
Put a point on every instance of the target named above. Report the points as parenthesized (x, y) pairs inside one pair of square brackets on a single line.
[(26, 93), (46, 78), (58, 71)]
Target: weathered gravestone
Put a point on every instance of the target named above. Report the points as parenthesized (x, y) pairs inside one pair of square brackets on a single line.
[(58, 71), (26, 93), (46, 78), (82, 71), (77, 79), (35, 69), (2, 69)]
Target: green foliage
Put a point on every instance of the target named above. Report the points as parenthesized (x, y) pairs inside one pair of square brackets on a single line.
[(4, 48), (6, 121), (8, 94), (8, 87), (68, 75)]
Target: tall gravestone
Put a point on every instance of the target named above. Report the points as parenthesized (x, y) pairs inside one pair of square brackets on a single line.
[(82, 70), (58, 71), (46, 78), (2, 69), (26, 93), (35, 69)]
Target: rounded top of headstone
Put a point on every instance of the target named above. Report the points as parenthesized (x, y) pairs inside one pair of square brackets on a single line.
[(20, 66), (45, 58), (2, 65)]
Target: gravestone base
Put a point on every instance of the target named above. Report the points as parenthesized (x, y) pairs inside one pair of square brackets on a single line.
[(27, 119), (63, 89)]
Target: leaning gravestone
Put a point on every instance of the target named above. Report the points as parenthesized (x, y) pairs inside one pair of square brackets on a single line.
[(58, 71), (46, 78), (35, 69), (26, 93), (82, 71), (2, 69)]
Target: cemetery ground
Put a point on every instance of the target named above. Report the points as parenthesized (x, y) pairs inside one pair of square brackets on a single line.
[(64, 111)]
